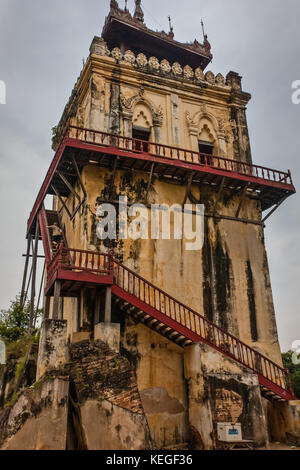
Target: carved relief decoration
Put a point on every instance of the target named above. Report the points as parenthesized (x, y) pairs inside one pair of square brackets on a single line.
[(188, 72), (129, 57), (177, 69), (129, 99), (153, 63), (116, 54), (209, 77), (142, 60), (165, 66)]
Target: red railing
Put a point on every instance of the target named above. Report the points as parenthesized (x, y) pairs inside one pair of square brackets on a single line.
[(79, 261), (208, 332), (175, 153), (45, 234)]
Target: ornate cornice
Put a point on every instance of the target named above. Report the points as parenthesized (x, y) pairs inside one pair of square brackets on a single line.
[(155, 66)]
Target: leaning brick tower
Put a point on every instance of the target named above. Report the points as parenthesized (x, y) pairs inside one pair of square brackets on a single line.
[(146, 123)]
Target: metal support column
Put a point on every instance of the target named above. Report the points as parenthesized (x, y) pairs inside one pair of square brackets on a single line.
[(33, 279), (22, 298)]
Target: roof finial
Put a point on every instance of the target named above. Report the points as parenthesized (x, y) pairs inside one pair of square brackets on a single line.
[(171, 33), (114, 4), (202, 24), (138, 14), (206, 43)]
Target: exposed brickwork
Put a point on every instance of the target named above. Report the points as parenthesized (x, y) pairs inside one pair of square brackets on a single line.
[(99, 373), (228, 406)]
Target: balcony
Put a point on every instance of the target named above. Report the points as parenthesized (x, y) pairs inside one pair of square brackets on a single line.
[(73, 267), (80, 147)]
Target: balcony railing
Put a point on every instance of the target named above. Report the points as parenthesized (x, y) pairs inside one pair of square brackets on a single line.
[(175, 153), (79, 261), (254, 174)]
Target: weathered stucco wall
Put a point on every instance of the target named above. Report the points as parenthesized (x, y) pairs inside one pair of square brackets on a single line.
[(222, 391), (38, 419), (119, 429), (295, 416), (227, 280), (282, 419), (159, 369), (53, 348), (92, 403), (106, 409)]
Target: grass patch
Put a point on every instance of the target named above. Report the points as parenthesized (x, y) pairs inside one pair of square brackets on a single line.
[(116, 361), (20, 347)]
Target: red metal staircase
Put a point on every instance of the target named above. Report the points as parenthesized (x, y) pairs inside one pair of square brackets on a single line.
[(161, 312), (182, 325)]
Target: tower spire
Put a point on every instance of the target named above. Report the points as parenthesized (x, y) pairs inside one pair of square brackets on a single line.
[(171, 32), (206, 42), (202, 25), (114, 4), (138, 14)]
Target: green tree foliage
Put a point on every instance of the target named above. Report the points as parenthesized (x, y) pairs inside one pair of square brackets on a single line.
[(294, 371), (14, 322)]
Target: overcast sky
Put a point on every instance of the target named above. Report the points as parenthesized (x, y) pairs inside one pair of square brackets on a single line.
[(42, 44)]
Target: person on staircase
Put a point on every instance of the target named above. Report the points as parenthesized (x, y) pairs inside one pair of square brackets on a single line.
[(56, 235)]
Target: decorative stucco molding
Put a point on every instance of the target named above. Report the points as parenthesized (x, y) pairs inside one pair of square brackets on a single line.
[(163, 67)]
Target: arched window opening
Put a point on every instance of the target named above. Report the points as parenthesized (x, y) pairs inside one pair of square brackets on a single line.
[(141, 127), (141, 133), (206, 144)]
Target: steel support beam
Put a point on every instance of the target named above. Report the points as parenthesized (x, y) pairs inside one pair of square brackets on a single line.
[(68, 184), (62, 201), (22, 298), (33, 279), (150, 181), (274, 208), (40, 295), (79, 175)]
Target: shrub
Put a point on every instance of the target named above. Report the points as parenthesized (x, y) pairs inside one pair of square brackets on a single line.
[(294, 371), (14, 321)]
